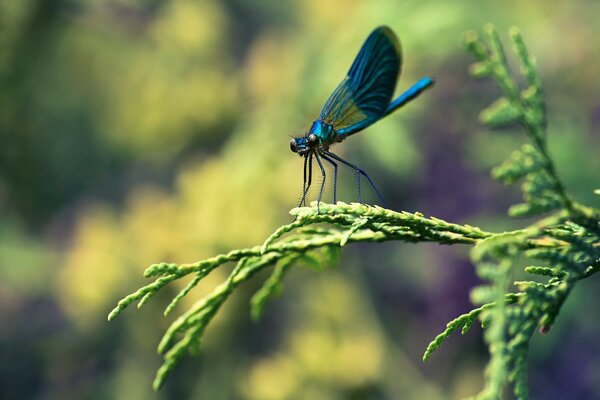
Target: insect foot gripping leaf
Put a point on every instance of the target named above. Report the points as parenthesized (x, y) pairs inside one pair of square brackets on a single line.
[(563, 245)]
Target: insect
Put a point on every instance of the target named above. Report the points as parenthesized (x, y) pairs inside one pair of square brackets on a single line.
[(361, 99)]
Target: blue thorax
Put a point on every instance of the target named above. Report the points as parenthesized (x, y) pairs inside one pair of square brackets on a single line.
[(324, 132)]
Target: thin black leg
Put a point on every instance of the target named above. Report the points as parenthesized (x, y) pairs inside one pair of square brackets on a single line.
[(358, 185), (322, 183), (310, 158), (303, 182), (335, 174), (358, 171), (307, 182)]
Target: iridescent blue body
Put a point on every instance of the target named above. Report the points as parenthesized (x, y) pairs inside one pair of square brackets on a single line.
[(325, 132), (361, 99)]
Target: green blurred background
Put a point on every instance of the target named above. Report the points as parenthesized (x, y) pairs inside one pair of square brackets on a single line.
[(133, 132)]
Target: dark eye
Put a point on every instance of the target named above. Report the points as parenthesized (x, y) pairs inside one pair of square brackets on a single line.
[(312, 139), (293, 146)]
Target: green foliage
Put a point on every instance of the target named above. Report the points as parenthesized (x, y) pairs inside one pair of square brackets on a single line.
[(565, 242), (307, 245)]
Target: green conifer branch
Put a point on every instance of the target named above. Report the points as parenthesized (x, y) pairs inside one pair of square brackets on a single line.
[(306, 244), (525, 107), (566, 243)]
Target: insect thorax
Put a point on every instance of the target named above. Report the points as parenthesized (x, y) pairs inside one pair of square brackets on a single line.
[(325, 132)]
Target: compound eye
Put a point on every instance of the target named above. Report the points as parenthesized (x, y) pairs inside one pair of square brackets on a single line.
[(312, 140), (293, 146)]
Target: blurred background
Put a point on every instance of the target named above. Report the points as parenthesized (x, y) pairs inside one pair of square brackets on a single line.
[(133, 132)]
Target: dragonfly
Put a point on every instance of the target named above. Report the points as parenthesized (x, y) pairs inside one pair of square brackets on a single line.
[(362, 98)]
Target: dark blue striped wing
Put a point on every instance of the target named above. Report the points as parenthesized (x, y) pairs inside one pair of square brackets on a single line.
[(364, 95)]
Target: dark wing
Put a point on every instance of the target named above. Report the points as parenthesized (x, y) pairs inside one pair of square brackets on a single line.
[(364, 95)]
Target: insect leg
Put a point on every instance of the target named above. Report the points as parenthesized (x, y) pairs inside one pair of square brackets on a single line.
[(307, 181), (359, 172), (303, 182), (335, 173), (322, 183)]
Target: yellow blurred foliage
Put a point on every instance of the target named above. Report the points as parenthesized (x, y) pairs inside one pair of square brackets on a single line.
[(192, 29), (158, 83), (175, 82), (94, 265), (208, 212), (336, 344), (179, 84)]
